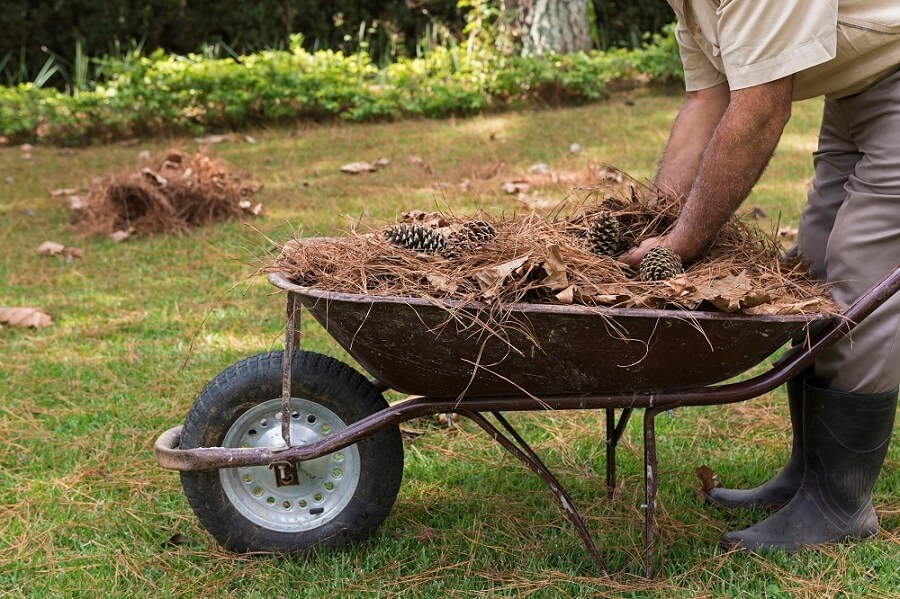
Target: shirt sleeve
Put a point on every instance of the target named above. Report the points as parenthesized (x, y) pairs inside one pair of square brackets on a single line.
[(765, 40), (699, 72)]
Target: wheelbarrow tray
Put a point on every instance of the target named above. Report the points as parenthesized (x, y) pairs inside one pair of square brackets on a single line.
[(444, 349)]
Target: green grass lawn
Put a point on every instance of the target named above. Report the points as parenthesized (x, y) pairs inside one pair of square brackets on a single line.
[(141, 326)]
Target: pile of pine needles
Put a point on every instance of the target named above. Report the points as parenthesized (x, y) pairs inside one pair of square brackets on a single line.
[(174, 193), (538, 258)]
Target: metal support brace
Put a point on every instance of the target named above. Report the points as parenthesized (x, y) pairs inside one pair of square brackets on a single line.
[(519, 448), (291, 341), (614, 432), (650, 487)]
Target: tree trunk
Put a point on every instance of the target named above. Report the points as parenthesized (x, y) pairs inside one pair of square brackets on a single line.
[(551, 25)]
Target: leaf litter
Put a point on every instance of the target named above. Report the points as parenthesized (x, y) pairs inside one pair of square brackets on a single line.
[(546, 259), (175, 193)]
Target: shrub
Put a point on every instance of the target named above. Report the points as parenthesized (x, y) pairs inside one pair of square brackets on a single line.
[(146, 95)]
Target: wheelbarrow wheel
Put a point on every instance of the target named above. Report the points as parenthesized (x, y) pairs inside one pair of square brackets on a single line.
[(334, 500)]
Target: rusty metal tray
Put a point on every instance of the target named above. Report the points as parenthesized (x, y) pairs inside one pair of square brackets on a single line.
[(421, 347)]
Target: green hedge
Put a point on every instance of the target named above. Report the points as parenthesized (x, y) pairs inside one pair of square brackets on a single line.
[(175, 94), (33, 30)]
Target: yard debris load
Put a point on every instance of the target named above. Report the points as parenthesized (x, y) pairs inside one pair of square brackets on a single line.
[(549, 259), (174, 192)]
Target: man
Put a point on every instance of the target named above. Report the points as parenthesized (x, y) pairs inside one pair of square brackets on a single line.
[(744, 63)]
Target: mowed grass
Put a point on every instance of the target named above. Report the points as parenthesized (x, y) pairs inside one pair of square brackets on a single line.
[(141, 326)]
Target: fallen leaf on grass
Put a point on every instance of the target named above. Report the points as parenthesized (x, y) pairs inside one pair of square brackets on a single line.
[(514, 187), (787, 233), (248, 207), (77, 203), (381, 162), (535, 201), (418, 161), (64, 191), (121, 235), (708, 480), (355, 168), (25, 317), (52, 248), (214, 139)]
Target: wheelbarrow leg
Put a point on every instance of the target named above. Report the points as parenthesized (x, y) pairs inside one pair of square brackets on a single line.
[(614, 432), (650, 487), (519, 448)]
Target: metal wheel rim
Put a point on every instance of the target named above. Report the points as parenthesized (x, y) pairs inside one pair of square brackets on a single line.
[(325, 485)]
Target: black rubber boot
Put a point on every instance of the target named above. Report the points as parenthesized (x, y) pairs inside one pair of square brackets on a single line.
[(781, 487), (846, 437)]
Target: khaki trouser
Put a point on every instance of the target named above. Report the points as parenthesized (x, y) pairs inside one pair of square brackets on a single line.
[(850, 230)]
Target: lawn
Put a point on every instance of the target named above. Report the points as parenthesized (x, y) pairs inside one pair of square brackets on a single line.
[(140, 326)]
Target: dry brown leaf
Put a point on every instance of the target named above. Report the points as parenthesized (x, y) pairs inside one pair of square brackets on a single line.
[(52, 248), (427, 219), (797, 307), (442, 282), (381, 162), (787, 233), (248, 207), (418, 161), (536, 201), (567, 295), (214, 139), (680, 285), (154, 176), (355, 168), (490, 278), (515, 187), (708, 480), (121, 235), (555, 267), (25, 317), (65, 191), (733, 292), (77, 203)]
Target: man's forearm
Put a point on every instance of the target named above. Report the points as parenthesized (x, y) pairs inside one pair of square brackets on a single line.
[(736, 156), (697, 119)]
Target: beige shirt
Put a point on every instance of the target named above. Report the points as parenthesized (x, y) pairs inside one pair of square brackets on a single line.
[(832, 47)]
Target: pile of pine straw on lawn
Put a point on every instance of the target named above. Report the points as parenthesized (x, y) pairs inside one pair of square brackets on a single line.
[(174, 192), (545, 259)]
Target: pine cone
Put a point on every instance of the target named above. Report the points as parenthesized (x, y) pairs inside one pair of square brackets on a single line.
[(415, 237), (471, 235), (605, 235), (659, 264)]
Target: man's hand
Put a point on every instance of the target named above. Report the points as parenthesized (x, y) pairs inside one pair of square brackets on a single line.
[(732, 160)]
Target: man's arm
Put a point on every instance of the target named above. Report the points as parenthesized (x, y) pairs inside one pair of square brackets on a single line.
[(734, 159), (696, 122)]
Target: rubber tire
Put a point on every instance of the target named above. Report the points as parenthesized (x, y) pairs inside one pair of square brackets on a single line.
[(317, 378)]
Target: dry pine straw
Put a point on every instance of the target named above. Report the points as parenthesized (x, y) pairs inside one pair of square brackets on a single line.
[(174, 192), (546, 259)]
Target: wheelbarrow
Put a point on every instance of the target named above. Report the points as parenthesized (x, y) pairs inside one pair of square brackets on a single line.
[(291, 451)]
